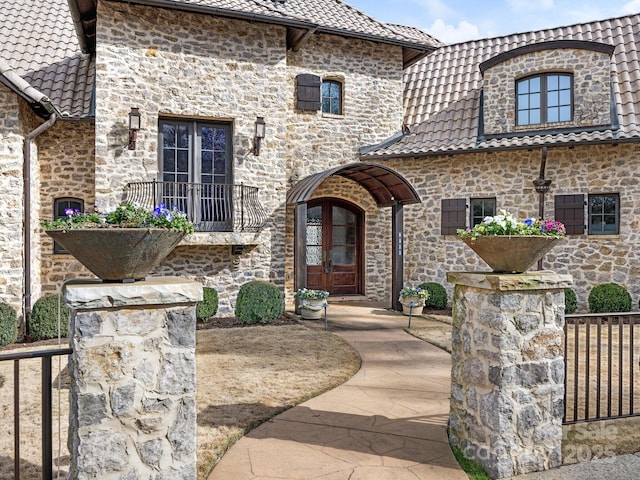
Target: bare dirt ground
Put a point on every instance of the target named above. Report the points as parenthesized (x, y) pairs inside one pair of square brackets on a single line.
[(245, 376)]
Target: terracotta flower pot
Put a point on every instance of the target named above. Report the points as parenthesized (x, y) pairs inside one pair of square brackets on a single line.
[(118, 254), (511, 254)]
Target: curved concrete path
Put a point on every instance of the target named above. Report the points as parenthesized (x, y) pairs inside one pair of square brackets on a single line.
[(387, 422)]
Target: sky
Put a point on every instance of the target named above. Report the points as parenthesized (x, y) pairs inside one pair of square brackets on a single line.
[(453, 21)]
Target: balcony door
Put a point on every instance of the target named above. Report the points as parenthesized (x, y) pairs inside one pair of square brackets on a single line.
[(196, 171), (334, 247)]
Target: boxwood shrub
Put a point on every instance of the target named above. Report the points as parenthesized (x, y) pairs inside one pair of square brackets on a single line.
[(437, 298), (259, 302), (43, 321), (609, 297), (570, 301), (8, 324), (208, 306)]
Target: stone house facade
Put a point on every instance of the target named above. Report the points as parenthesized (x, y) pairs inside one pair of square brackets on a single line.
[(371, 132)]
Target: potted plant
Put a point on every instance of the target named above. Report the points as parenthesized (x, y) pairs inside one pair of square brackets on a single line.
[(312, 302), (509, 245), (413, 299), (123, 245)]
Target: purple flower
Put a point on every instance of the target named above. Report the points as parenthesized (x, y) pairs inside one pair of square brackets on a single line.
[(69, 212)]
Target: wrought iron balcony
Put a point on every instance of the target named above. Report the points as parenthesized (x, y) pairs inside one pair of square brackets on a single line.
[(211, 207)]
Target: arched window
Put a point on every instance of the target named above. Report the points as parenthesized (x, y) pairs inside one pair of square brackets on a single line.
[(332, 97), (60, 205), (544, 98)]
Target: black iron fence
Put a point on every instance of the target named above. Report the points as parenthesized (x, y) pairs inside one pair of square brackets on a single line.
[(212, 207), (47, 404), (600, 365)]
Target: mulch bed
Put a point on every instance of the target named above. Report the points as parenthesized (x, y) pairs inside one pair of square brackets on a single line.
[(232, 322)]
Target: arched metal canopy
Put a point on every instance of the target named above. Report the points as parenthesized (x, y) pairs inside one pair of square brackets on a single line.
[(386, 186)]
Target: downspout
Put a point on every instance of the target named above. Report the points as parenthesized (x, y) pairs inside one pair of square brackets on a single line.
[(542, 187), (26, 179)]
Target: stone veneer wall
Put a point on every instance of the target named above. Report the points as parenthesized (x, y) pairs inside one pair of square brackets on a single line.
[(590, 259), (185, 65), (591, 87), (12, 131), (507, 370), (133, 379), (66, 156)]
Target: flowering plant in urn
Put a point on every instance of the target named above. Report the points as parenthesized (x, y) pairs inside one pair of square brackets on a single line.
[(123, 245), (510, 245), (311, 302)]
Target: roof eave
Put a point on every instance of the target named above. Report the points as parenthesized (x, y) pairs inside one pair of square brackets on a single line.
[(37, 100)]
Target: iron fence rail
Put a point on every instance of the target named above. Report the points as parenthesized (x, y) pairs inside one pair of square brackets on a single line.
[(600, 365), (47, 406), (212, 207)]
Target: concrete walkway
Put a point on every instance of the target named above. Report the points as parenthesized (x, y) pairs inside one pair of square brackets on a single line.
[(387, 422)]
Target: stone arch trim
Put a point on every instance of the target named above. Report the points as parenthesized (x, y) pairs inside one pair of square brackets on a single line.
[(386, 186)]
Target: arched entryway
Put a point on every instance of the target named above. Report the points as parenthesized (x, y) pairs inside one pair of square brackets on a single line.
[(334, 246), (386, 186)]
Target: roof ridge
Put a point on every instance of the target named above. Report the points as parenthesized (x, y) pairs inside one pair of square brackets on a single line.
[(543, 30)]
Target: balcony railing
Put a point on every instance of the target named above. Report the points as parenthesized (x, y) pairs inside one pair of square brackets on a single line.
[(212, 207)]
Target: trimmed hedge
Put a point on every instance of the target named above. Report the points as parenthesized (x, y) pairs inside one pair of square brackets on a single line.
[(570, 301), (609, 297), (8, 324), (259, 302), (208, 306), (437, 298), (43, 321)]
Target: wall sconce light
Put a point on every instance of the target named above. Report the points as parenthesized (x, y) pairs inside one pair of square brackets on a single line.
[(134, 126), (258, 135)]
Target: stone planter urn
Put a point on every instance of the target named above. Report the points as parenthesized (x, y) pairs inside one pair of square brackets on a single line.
[(412, 304), (511, 253), (118, 254), (312, 308)]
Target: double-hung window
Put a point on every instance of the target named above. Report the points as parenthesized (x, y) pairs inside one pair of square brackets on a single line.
[(544, 98), (195, 170), (481, 208), (604, 214)]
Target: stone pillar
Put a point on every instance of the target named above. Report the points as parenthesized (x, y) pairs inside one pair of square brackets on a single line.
[(133, 379), (507, 385)]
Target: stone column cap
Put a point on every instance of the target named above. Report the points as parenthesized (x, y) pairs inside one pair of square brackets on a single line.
[(538, 280), (152, 291)]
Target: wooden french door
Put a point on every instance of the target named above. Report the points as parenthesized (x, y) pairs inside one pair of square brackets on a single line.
[(334, 247)]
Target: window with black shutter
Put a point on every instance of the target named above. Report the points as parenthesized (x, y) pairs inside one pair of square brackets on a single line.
[(569, 209), (453, 215), (308, 92)]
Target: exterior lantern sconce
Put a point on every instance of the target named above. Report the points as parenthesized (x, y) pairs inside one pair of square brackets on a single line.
[(258, 135), (134, 126)]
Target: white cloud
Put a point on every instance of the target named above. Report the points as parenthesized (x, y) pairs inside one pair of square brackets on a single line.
[(632, 7), (448, 33), (531, 5)]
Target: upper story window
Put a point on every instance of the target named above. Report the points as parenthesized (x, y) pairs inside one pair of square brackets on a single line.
[(481, 208), (332, 97), (545, 98)]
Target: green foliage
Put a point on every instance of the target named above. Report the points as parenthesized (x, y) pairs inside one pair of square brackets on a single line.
[(208, 307), (437, 298), (124, 216), (609, 297), (259, 302), (472, 468), (43, 321), (570, 301), (8, 324)]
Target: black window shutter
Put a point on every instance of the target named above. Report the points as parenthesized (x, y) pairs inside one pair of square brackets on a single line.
[(308, 91), (569, 209), (453, 215)]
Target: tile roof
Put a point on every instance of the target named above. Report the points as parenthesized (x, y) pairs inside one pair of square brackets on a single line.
[(40, 47), (442, 92), (330, 16)]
